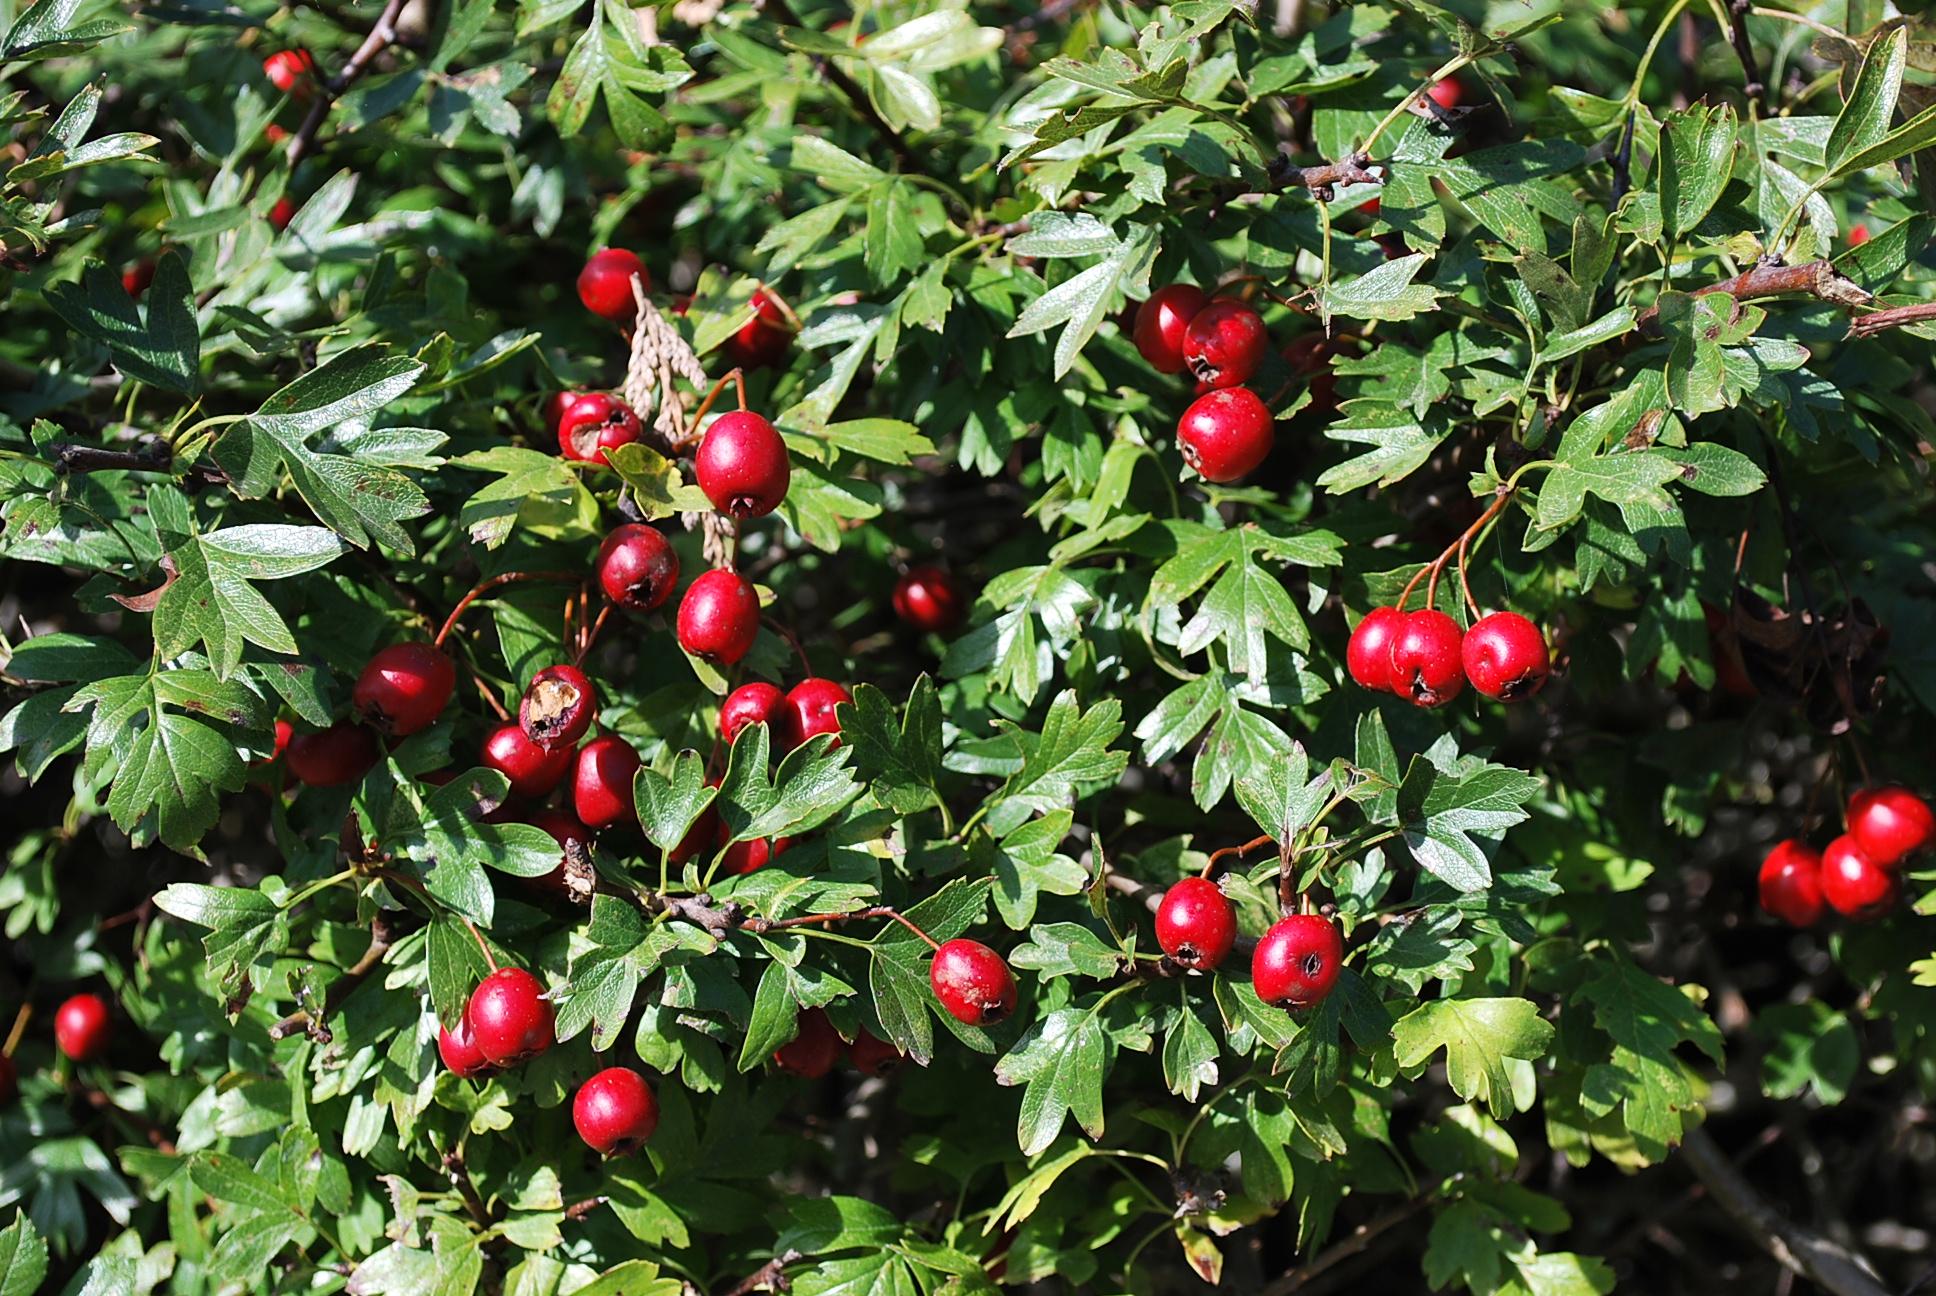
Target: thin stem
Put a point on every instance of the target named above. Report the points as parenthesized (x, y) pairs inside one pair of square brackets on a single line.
[(20, 1020), (793, 642), (1210, 869), (735, 376), (1465, 585), (478, 936), (502, 578), (590, 637), (1653, 45)]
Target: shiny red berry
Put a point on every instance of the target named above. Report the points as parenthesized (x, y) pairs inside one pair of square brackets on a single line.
[(605, 284), (572, 836), (601, 785), (1224, 343), (340, 754), (813, 1050), (1856, 885), (137, 277), (1791, 883), (761, 342), (1225, 434), (284, 732), (1426, 663), (511, 1020), (809, 711), (533, 771), (615, 1112), (1858, 235), (1446, 92), (1298, 961), (1505, 657), (1890, 824), (404, 688), (930, 600), (1195, 924), (873, 1055), (719, 617), (743, 465), (553, 410), (283, 212), (82, 1027), (1368, 655), (289, 70), (972, 983), (1161, 321), (744, 857), (755, 703), (557, 707), (459, 1051), (637, 567), (595, 423)]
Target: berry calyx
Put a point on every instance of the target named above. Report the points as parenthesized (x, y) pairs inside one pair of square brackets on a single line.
[(1195, 924), (1426, 663), (1890, 824), (719, 617), (595, 423), (1224, 343), (873, 1055), (615, 1112), (1298, 961), (605, 284), (1855, 885), (82, 1027), (972, 982), (459, 1051), (1224, 434), (572, 836), (743, 465), (761, 342), (511, 1020), (813, 1050), (404, 688), (601, 785), (340, 754), (1368, 655), (1791, 883), (1160, 322), (637, 567), (283, 212), (289, 69), (1505, 657), (929, 599), (809, 711), (136, 278), (755, 703), (533, 771), (557, 707)]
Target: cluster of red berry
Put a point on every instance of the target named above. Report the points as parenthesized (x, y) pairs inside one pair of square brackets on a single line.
[(1860, 874), (1227, 431), (1424, 656), (1295, 965)]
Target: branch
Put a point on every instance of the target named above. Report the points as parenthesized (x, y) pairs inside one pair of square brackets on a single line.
[(782, 12), (1752, 86), (382, 935), (460, 1179), (88, 459), (1321, 180), (771, 1275), (1359, 1239), (1894, 317), (381, 37), (1804, 1251), (1814, 278)]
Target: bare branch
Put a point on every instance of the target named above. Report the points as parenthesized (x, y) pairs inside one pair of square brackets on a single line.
[(770, 1276), (1753, 86), (1812, 278), (381, 37), (1894, 317), (88, 459), (1357, 1241), (1322, 180), (383, 934)]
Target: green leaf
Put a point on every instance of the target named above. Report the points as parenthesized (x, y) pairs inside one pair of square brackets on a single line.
[(538, 490), (1066, 949), (244, 927), (169, 765), (1871, 106), (884, 1273), (1695, 164), (811, 786), (156, 341), (668, 807), (1082, 302), (819, 1225), (1073, 748), (1189, 1049), (1384, 293), (1062, 1059), (1478, 1036), (46, 30), (900, 763), (1400, 446), (1025, 864), (23, 1257), (1447, 814), (1810, 1046)]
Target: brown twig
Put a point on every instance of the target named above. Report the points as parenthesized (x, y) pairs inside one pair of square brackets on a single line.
[(383, 935), (460, 1179), (20, 1021), (1323, 180), (1894, 317), (771, 1275), (484, 587), (1813, 278), (89, 459), (1752, 84), (1359, 1238), (381, 37), (857, 97)]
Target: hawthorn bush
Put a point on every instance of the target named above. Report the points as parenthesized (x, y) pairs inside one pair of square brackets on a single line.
[(900, 649)]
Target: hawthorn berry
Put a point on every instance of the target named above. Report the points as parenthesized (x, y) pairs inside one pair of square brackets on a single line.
[(872, 1054), (761, 342), (1855, 885), (1298, 961), (404, 688), (704, 829), (340, 754), (1446, 92), (1505, 657), (557, 707), (601, 785), (605, 284), (809, 711), (744, 857), (572, 835), (743, 465), (814, 1048), (719, 617), (136, 278), (755, 703), (1890, 824), (1226, 433), (289, 69), (82, 1027), (1160, 322), (284, 732), (533, 771), (1858, 235), (615, 1112), (511, 1020), (283, 212), (594, 423), (1791, 883), (459, 1051), (1225, 342), (972, 982), (637, 567), (1368, 654), (1426, 662), (1195, 924), (929, 599)]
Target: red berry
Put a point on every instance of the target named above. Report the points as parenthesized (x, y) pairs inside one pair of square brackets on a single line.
[(82, 1027), (511, 1020), (601, 786), (1195, 924), (1791, 884), (637, 568), (1225, 434), (704, 829), (1858, 235), (342, 753), (1298, 961), (1504, 655), (1368, 656), (719, 617), (554, 407), (1856, 885), (137, 277), (1890, 824), (873, 1055), (813, 1050), (929, 599), (972, 983), (458, 1048), (1445, 92), (284, 732), (809, 711), (1426, 665), (404, 688), (605, 284), (755, 703), (743, 465), (557, 707), (570, 833), (615, 1112), (274, 133), (1225, 342), (761, 342), (595, 423), (9, 1080), (283, 212), (288, 69), (1160, 322), (744, 857), (533, 771)]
